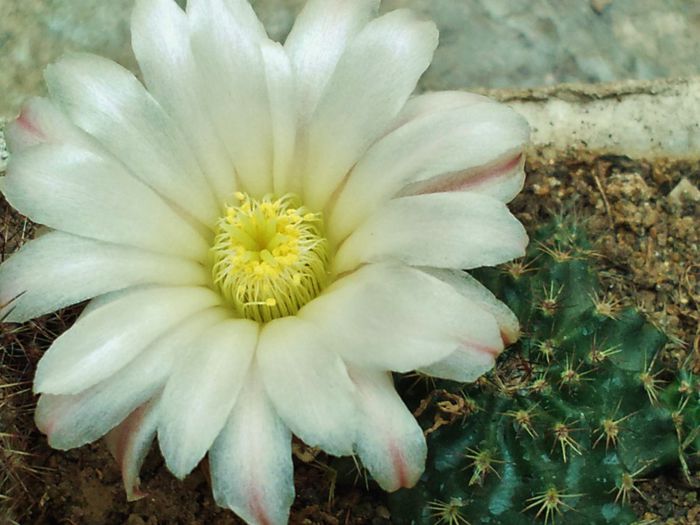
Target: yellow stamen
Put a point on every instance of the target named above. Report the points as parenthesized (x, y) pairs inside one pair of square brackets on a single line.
[(270, 256)]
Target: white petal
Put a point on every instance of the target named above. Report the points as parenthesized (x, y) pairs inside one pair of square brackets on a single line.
[(318, 39), (308, 384), (160, 36), (422, 105), (108, 102), (226, 45), (476, 292), (370, 85), (79, 192), (390, 442), (446, 150), (466, 364), (501, 179), (199, 396), (282, 92), (71, 421), (102, 300), (393, 317), (442, 230), (109, 337), (40, 122), (238, 12), (251, 460), (130, 442), (59, 269)]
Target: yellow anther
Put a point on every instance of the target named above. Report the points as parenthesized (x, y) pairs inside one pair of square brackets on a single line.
[(270, 256)]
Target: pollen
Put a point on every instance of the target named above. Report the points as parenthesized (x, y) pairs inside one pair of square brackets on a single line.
[(270, 256)]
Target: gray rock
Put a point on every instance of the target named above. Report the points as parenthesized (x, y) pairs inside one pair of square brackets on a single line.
[(484, 43)]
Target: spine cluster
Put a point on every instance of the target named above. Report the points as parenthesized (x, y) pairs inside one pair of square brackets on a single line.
[(572, 418)]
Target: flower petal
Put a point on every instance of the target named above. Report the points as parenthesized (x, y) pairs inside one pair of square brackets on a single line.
[(200, 394), (107, 101), (40, 122), (390, 442), (238, 12), (442, 230), (318, 39), (423, 105), (160, 36), (103, 341), (308, 384), (373, 78), (59, 269), (251, 460), (471, 147), (392, 317), (469, 362), (466, 364), (71, 421), (130, 442), (226, 44), (79, 192), (282, 92), (476, 292), (501, 179)]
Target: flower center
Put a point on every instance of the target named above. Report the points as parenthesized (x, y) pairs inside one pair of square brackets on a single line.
[(270, 256)]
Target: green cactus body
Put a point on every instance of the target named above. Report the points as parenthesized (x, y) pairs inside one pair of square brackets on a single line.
[(574, 415)]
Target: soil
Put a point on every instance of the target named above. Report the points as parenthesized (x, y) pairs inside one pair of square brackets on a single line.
[(647, 243)]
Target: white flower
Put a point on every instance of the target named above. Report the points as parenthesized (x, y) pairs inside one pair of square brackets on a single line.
[(265, 233)]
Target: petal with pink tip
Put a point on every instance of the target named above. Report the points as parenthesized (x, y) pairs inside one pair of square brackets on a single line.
[(390, 442), (474, 147), (251, 460), (392, 317), (40, 122), (473, 290), (466, 364), (470, 361), (130, 442)]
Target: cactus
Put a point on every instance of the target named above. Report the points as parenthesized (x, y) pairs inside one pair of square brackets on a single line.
[(571, 418)]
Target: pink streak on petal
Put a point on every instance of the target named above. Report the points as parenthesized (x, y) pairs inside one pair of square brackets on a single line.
[(59, 406), (25, 122), (119, 443), (471, 179), (258, 508), (400, 467)]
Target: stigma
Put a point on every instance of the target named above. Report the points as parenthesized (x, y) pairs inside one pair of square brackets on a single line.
[(270, 256)]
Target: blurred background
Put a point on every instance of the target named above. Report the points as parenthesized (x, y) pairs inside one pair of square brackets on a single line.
[(484, 43)]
